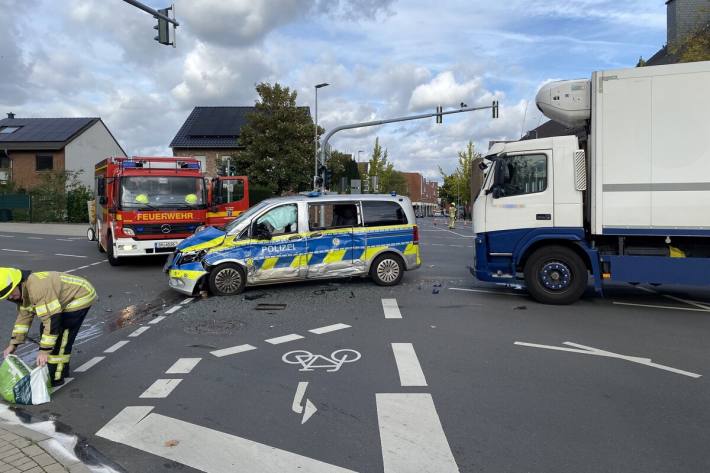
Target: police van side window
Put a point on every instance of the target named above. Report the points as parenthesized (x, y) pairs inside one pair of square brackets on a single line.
[(378, 214), (282, 220), (334, 215)]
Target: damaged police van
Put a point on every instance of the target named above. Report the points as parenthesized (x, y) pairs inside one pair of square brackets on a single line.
[(300, 238)]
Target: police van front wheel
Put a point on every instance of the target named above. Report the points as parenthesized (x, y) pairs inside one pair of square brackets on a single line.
[(387, 270), (227, 280)]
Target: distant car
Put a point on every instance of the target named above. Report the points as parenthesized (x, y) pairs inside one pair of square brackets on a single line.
[(437, 213), (299, 238)]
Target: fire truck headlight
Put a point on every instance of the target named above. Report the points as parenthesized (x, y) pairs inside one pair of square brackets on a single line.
[(129, 231)]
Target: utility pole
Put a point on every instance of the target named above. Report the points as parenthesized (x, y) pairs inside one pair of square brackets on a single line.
[(439, 113), (316, 174)]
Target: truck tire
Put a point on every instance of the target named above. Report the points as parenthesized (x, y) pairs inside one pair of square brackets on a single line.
[(112, 260), (387, 270), (98, 245), (227, 279), (556, 275)]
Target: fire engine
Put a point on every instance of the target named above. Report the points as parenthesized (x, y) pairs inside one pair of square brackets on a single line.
[(148, 205)]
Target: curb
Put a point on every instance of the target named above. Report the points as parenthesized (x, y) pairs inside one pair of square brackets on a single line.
[(57, 229), (46, 445)]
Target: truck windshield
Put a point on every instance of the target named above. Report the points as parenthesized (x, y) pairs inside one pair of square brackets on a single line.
[(162, 192)]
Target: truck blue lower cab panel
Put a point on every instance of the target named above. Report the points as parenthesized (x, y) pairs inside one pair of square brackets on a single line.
[(659, 269)]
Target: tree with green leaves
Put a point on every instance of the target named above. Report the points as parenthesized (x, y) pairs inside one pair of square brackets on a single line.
[(278, 142), (696, 47), (457, 185), (388, 178), (342, 166)]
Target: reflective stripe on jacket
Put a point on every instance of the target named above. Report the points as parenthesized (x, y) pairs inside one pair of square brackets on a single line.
[(47, 294)]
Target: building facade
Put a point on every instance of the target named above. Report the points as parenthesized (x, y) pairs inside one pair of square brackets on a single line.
[(423, 193), (33, 147)]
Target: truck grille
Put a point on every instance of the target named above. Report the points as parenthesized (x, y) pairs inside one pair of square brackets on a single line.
[(165, 228)]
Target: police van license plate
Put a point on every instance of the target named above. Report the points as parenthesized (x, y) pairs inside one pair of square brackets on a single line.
[(166, 244)]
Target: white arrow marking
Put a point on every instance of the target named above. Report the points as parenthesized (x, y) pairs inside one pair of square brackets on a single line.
[(585, 350), (309, 411), (204, 449)]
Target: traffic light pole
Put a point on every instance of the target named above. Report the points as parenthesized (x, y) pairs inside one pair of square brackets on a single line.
[(439, 113), (152, 11)]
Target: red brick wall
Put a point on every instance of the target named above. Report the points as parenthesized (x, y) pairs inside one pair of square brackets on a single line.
[(421, 190), (24, 166)]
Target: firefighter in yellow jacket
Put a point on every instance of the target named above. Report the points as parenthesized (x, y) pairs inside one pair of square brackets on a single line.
[(60, 300)]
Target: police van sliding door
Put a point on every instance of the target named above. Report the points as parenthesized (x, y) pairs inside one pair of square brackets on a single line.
[(330, 239)]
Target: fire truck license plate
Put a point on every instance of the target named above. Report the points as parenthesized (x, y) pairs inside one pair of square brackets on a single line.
[(166, 244)]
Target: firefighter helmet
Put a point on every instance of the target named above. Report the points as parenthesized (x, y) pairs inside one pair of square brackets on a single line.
[(9, 279), (191, 199), (142, 199)]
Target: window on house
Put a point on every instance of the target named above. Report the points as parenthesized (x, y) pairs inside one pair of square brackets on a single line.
[(6, 130), (44, 162), (4, 162)]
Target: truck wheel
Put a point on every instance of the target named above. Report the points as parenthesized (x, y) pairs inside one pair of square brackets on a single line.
[(387, 270), (227, 279), (556, 275), (98, 245), (91, 234), (112, 260)]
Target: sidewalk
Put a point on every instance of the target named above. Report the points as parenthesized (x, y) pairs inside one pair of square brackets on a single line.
[(58, 229), (27, 451)]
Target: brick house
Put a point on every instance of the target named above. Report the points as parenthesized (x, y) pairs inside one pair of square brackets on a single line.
[(423, 193), (211, 134), (30, 147), (684, 18)]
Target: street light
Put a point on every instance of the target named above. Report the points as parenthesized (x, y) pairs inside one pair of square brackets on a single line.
[(315, 138), (358, 154)]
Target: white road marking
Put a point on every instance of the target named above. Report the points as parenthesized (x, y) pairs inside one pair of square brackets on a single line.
[(14, 251), (686, 301), (652, 306), (98, 262), (7, 236), (437, 244), (183, 366), (310, 361), (173, 309), (202, 448), (70, 256), (157, 320), (284, 339), (160, 389), (137, 332), (329, 328), (37, 238), (412, 436), (485, 291), (585, 350), (463, 236), (457, 246), (642, 288), (82, 267), (64, 239), (116, 346), (187, 300), (89, 364), (308, 409), (57, 388), (410, 371), (232, 350), (391, 309)]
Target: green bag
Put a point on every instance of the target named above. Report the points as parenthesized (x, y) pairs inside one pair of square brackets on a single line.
[(12, 373)]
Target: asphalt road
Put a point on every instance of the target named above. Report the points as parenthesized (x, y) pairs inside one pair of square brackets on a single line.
[(424, 377)]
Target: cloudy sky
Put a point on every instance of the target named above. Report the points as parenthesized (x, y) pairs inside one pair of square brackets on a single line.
[(383, 58)]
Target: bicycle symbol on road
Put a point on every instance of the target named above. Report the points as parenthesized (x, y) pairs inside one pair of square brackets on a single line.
[(311, 362)]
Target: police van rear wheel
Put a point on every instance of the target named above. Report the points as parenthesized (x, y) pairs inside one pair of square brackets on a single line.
[(387, 270), (227, 280)]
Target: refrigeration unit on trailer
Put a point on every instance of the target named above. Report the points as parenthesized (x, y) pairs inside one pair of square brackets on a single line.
[(625, 199)]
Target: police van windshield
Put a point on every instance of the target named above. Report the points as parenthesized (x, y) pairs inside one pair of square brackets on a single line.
[(162, 192), (246, 215)]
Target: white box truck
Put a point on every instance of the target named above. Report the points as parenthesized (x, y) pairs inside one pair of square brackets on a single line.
[(625, 199)]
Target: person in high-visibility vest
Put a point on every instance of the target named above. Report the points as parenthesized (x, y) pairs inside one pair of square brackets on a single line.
[(452, 216), (60, 300)]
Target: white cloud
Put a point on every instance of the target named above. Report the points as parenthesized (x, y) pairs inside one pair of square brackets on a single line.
[(443, 90)]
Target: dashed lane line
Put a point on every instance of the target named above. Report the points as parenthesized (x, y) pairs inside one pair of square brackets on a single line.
[(232, 350), (652, 306), (161, 388), (486, 291), (173, 309), (64, 239), (410, 371), (329, 328), (113, 348), (183, 366), (35, 238), (89, 364), (69, 256), (391, 309), (140, 330), (284, 339), (7, 236), (187, 300), (157, 320), (14, 251)]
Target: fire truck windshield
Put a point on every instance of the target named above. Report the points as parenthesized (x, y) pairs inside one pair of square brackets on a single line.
[(162, 192)]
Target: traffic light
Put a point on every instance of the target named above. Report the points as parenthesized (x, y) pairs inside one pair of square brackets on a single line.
[(495, 109), (439, 116), (327, 178), (163, 28)]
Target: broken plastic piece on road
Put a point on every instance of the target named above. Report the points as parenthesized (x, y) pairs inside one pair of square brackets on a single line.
[(255, 295), (520, 307)]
